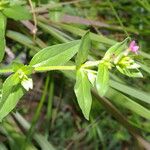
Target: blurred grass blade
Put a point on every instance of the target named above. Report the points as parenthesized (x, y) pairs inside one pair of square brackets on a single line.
[(81, 32), (37, 112), (145, 68), (15, 136), (3, 147), (53, 32), (128, 103), (2, 35), (145, 55), (41, 140), (49, 105), (17, 12), (140, 95), (21, 38)]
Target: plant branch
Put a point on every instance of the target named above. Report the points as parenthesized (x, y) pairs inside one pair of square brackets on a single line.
[(4, 71), (48, 68)]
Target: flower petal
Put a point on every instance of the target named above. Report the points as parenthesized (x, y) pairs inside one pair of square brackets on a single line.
[(132, 44), (135, 49)]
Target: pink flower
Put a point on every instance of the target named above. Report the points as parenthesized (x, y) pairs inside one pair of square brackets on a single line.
[(133, 47)]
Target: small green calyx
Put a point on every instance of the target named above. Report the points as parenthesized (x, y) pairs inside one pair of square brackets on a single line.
[(19, 67), (107, 63), (126, 61), (129, 67), (21, 74)]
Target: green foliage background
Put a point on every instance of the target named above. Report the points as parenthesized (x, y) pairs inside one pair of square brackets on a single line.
[(48, 117)]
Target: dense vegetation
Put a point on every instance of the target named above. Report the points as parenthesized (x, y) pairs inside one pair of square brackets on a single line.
[(74, 74)]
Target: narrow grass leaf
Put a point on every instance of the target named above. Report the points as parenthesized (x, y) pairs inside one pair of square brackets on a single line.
[(21, 38), (140, 95), (41, 140), (2, 35), (145, 68), (17, 12), (128, 103), (15, 136), (54, 32), (93, 36)]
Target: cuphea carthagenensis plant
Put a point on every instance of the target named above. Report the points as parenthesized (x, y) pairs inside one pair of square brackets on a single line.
[(89, 74)]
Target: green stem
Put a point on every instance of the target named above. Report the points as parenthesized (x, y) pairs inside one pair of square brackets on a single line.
[(42, 69), (48, 68), (3, 71)]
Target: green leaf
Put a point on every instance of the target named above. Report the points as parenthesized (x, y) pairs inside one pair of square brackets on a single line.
[(92, 77), (140, 95), (128, 103), (102, 80), (135, 73), (116, 49), (83, 50), (55, 55), (11, 81), (12, 91), (17, 12), (2, 35), (83, 92)]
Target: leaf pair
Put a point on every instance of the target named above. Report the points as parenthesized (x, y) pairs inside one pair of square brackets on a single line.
[(15, 85), (82, 86), (59, 55), (85, 76)]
